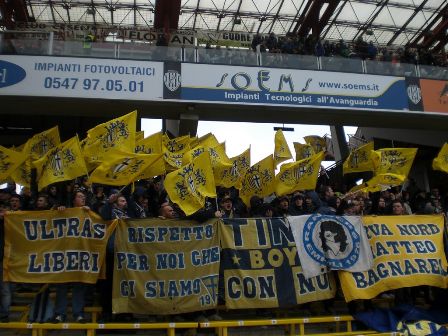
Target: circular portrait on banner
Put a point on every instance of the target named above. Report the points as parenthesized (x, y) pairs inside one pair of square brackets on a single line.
[(331, 241)]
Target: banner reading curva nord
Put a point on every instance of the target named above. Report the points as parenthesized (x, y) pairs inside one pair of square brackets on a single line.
[(262, 268), (407, 251), (55, 246), (165, 266)]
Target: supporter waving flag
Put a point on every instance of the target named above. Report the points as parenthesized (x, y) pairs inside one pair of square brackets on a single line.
[(189, 185)]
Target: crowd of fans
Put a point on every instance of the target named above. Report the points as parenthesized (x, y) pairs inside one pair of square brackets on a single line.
[(150, 199)]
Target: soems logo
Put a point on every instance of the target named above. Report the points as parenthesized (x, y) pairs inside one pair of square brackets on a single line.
[(331, 241), (10, 74)]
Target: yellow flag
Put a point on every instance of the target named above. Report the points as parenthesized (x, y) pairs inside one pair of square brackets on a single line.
[(208, 140), (42, 142), (174, 150), (10, 160), (318, 143), (441, 161), (173, 160), (232, 176), (61, 163), (379, 182), (189, 185), (281, 151), (22, 175), (118, 133), (259, 180), (179, 144), (303, 151), (359, 160), (139, 135), (396, 161), (123, 168), (300, 175), (150, 145)]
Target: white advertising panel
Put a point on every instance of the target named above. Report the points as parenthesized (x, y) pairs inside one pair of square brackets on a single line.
[(80, 78)]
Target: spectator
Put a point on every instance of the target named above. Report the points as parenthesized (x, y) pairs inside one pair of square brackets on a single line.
[(5, 287), (79, 289)]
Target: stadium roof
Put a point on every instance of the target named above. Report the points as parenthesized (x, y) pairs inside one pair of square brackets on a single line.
[(397, 22)]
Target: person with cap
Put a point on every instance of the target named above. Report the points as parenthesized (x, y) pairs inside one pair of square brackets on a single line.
[(226, 207)]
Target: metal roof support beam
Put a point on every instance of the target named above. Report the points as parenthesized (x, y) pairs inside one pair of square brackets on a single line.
[(13, 11), (325, 17), (311, 19), (427, 31), (438, 33), (303, 16), (399, 31), (166, 15)]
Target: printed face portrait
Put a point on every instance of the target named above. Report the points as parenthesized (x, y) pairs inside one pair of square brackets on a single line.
[(333, 238)]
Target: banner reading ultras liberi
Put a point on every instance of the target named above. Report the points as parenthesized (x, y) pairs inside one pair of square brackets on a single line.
[(262, 268), (165, 266), (408, 251), (55, 246)]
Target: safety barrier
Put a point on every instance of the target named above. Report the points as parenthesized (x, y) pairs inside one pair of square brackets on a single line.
[(296, 326), (221, 327), (38, 329)]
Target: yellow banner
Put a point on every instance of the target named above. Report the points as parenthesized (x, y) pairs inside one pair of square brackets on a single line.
[(55, 246), (407, 251), (165, 266)]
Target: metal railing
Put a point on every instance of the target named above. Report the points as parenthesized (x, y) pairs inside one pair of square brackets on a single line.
[(242, 57)]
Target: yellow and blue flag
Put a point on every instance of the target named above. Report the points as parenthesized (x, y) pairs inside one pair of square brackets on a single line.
[(359, 160), (61, 163), (300, 175), (150, 145), (190, 185), (303, 151), (259, 180), (42, 142), (123, 168), (10, 160)]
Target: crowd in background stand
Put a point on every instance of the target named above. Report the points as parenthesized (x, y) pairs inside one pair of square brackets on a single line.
[(293, 44)]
